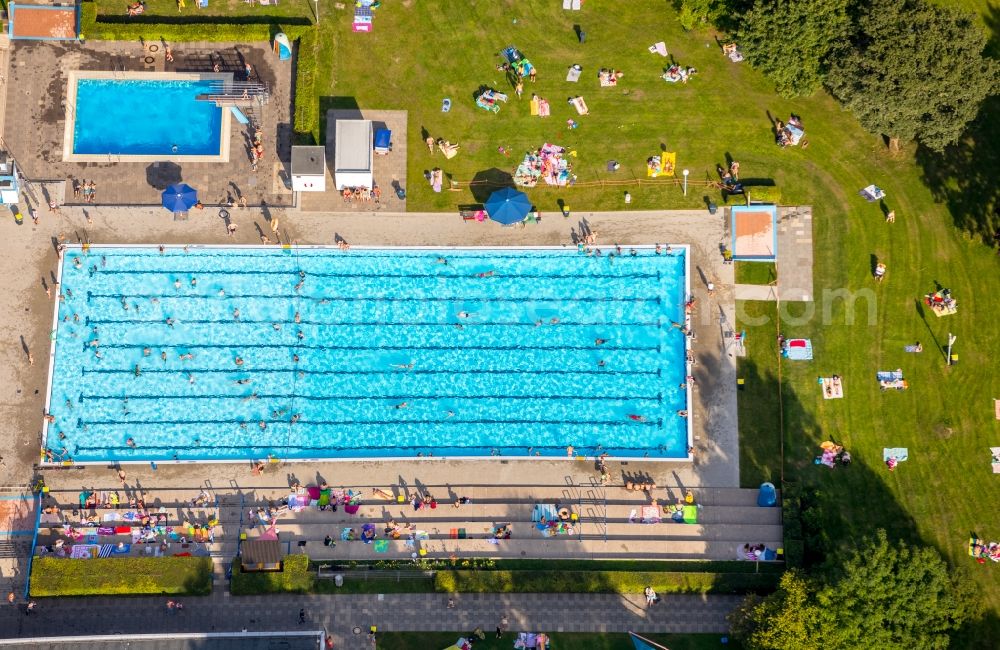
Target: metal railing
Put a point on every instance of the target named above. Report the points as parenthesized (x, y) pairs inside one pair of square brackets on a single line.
[(325, 571)]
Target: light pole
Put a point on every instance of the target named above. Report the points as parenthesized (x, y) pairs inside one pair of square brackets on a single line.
[(951, 341), (317, 11), (685, 172)]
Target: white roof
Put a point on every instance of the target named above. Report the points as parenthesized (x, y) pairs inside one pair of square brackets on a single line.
[(353, 148)]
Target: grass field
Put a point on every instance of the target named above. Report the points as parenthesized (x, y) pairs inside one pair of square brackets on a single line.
[(945, 419), (564, 641)]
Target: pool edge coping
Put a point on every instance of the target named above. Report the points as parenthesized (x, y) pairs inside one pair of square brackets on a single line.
[(689, 458), (69, 130)]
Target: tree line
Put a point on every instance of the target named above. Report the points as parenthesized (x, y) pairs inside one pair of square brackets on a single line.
[(907, 69)]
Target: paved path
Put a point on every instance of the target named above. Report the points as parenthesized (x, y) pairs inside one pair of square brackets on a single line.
[(397, 612)]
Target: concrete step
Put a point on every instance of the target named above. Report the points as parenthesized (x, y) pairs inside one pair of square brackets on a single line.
[(538, 548)]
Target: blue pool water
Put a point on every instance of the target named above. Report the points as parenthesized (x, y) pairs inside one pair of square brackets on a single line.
[(485, 377), (143, 117)]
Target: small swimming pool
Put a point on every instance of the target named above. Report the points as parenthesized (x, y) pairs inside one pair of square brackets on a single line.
[(231, 353), (151, 116)]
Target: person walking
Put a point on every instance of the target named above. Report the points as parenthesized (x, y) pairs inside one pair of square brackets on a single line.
[(302, 616)]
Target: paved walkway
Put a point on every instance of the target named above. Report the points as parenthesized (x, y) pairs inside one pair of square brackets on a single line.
[(390, 612)]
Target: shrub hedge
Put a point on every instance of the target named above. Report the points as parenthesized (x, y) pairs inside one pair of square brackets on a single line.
[(189, 576), (294, 578), (306, 118), (619, 582)]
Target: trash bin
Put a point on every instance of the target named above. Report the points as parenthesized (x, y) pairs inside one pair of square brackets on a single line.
[(583, 36), (338, 580), (712, 207)]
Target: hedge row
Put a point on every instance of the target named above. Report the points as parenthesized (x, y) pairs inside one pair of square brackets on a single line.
[(189, 576), (615, 582), (306, 118), (294, 578), (200, 28)]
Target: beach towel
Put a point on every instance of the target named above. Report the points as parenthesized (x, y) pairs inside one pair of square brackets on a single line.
[(543, 108), (106, 550), (533, 106), (690, 514), (345, 535), (798, 349), (996, 459), (84, 551), (544, 510), (912, 348), (899, 453), (650, 514), (659, 48), (889, 375), (122, 550), (832, 389), (381, 545), (579, 105), (105, 530), (573, 75), (631, 516), (996, 408)]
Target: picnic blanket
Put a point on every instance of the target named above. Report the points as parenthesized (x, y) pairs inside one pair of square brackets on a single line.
[(650, 514), (573, 75), (832, 388), (381, 545), (662, 165), (579, 105), (899, 453)]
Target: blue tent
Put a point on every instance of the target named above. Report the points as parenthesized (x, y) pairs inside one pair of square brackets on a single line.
[(179, 198), (508, 206)]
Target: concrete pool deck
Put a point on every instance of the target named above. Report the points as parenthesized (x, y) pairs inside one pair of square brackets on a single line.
[(29, 258), (34, 124)]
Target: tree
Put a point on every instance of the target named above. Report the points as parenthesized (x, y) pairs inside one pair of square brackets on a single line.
[(785, 620), (792, 40), (915, 70), (881, 595), (692, 13), (894, 596)]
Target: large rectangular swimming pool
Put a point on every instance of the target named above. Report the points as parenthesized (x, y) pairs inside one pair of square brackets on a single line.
[(307, 353), (150, 116)]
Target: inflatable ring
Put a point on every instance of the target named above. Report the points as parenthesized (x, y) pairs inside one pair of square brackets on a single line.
[(223, 213), (149, 59), (154, 48), (564, 514)]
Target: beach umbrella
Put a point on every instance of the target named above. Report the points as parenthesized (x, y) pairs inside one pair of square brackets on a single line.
[(180, 197), (508, 206)]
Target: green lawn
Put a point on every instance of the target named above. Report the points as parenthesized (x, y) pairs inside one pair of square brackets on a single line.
[(560, 641), (755, 273), (168, 9)]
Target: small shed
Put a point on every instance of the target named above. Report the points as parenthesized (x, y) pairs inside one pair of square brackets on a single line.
[(260, 555), (9, 189), (308, 169), (353, 154)]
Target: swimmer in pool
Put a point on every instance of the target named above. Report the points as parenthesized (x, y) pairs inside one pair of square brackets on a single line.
[(442, 260), (236, 313), (600, 341), (464, 314), (177, 284), (401, 405), (402, 366), (130, 442), (298, 319)]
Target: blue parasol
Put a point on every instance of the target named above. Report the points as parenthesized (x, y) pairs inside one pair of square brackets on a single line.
[(508, 206), (180, 197)]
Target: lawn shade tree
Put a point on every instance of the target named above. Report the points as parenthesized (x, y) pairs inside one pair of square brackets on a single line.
[(792, 41), (885, 595), (784, 620), (914, 71), (695, 13), (880, 595)]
